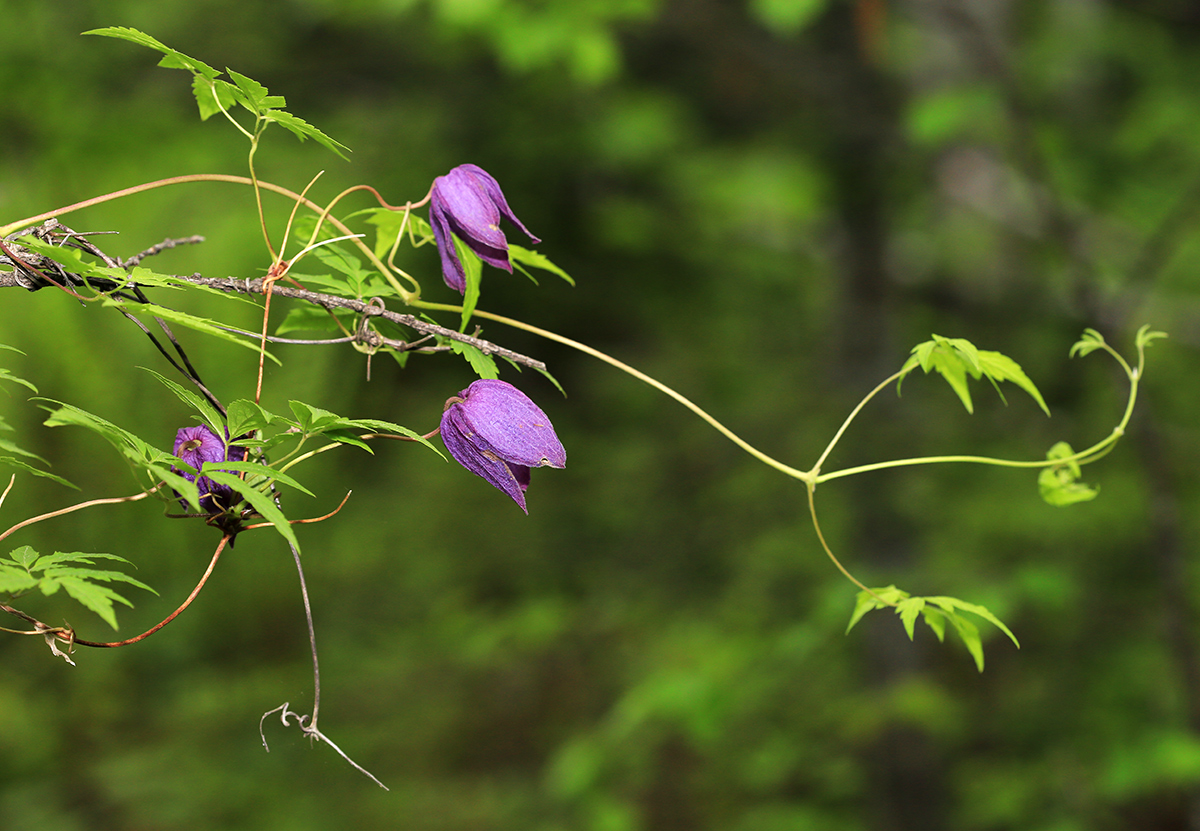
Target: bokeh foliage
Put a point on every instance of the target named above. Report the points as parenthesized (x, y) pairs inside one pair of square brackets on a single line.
[(766, 204)]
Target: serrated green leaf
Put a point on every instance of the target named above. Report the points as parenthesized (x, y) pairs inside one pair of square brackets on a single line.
[(254, 92), (1000, 367), (956, 358), (15, 580), (952, 603), (908, 610), (246, 416), (173, 58), (86, 557), (5, 375), (302, 130), (213, 95), (524, 256), (197, 402), (60, 572), (969, 633), (378, 426), (484, 365), (936, 621), (25, 555), (878, 598), (347, 437), (128, 444), (199, 324), (97, 598), (28, 468), (256, 470), (312, 419)]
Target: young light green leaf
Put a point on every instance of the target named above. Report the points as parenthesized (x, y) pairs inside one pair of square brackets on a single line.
[(1088, 343), (908, 610), (955, 358), (969, 633), (97, 598), (867, 601), (255, 94), (1058, 484), (1146, 336), (28, 468), (998, 367), (313, 419), (24, 555), (936, 621), (949, 604)]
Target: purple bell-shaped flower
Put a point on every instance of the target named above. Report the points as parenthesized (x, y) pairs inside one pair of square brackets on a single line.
[(467, 203), (493, 430), (197, 445)]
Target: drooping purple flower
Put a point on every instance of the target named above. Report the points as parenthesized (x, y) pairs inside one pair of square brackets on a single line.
[(468, 203), (197, 445), (493, 430)]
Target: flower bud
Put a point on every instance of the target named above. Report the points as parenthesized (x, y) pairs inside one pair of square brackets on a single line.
[(197, 445), (468, 203), (493, 430)]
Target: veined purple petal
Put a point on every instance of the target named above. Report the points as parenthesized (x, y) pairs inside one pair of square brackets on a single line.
[(467, 203), (494, 430), (197, 445)]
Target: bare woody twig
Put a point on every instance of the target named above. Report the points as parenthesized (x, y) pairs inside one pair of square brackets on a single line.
[(9, 279)]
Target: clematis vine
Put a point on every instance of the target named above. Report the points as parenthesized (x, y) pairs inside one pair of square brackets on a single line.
[(197, 445), (493, 430), (467, 203)]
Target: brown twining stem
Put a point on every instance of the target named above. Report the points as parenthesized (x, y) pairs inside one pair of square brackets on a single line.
[(76, 507), (69, 637)]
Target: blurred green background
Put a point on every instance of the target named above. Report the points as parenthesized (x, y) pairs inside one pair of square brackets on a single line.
[(765, 204)]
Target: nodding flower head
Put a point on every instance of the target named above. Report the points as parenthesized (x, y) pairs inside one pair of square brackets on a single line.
[(197, 445), (467, 203), (493, 430)]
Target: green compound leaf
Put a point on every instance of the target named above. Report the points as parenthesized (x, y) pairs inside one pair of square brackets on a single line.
[(213, 94), (172, 59), (956, 358), (72, 572), (935, 611), (868, 601), (1059, 484)]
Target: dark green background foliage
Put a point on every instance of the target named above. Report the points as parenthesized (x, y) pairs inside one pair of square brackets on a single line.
[(765, 204)]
